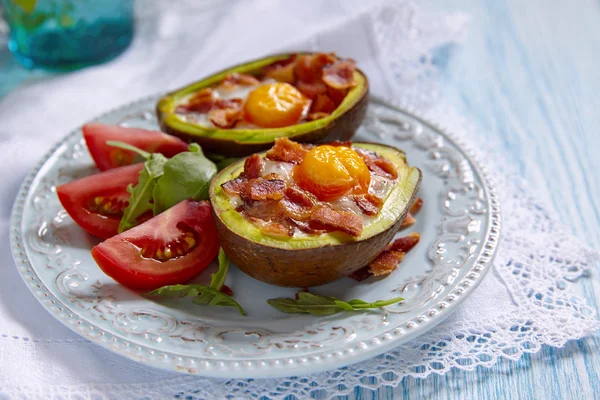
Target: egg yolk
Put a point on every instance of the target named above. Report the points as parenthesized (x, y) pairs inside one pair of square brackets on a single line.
[(274, 105), (330, 172)]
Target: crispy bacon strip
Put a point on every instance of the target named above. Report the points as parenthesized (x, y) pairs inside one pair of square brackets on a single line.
[(235, 186), (340, 75), (361, 274), (295, 211), (226, 118), (271, 228), (226, 113), (300, 196), (312, 89), (201, 102), (408, 221), (281, 72), (385, 262), (297, 205), (253, 166), (369, 204), (309, 68), (287, 151), (235, 78), (378, 165), (262, 189), (322, 104), (416, 207), (406, 243), (323, 217), (337, 95)]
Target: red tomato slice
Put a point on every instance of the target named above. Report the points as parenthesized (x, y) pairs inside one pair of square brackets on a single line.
[(96, 202), (107, 157), (168, 249)]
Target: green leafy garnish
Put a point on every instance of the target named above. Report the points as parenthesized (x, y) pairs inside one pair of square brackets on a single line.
[(217, 280), (220, 160), (186, 176), (204, 295), (140, 195), (321, 305), (165, 182)]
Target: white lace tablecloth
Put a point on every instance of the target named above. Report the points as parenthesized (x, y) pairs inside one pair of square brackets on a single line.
[(526, 301)]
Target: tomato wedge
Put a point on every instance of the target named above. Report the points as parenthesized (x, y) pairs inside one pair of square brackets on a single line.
[(96, 202), (168, 249), (107, 157)]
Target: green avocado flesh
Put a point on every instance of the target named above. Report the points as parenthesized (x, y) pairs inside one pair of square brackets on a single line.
[(167, 105), (394, 206)]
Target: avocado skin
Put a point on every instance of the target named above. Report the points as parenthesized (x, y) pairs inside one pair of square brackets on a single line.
[(341, 128), (304, 268)]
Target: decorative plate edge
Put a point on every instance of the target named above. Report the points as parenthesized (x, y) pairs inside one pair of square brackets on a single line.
[(280, 366)]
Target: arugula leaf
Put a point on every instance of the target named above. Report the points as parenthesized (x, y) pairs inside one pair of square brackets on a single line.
[(220, 160), (321, 305), (202, 295), (140, 199), (217, 280), (186, 176)]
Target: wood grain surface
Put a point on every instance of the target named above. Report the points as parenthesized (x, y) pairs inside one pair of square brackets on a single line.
[(529, 74)]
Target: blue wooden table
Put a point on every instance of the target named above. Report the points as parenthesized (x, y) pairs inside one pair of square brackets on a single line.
[(529, 73)]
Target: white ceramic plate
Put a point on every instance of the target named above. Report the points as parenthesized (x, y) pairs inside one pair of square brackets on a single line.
[(459, 226)]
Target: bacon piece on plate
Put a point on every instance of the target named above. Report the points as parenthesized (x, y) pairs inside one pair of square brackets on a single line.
[(309, 68), (340, 75), (253, 166), (408, 221), (416, 207), (322, 103), (323, 217), (313, 89), (226, 113), (235, 78), (262, 189), (287, 151), (369, 204), (385, 262), (406, 243), (361, 274), (235, 186)]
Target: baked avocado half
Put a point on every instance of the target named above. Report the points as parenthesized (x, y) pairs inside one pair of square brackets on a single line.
[(340, 124), (311, 260)]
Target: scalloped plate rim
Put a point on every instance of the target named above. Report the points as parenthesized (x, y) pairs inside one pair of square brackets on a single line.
[(279, 366)]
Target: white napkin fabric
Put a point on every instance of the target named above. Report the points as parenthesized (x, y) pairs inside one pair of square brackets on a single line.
[(180, 41)]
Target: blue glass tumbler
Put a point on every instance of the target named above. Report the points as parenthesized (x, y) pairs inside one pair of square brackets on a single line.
[(68, 34)]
